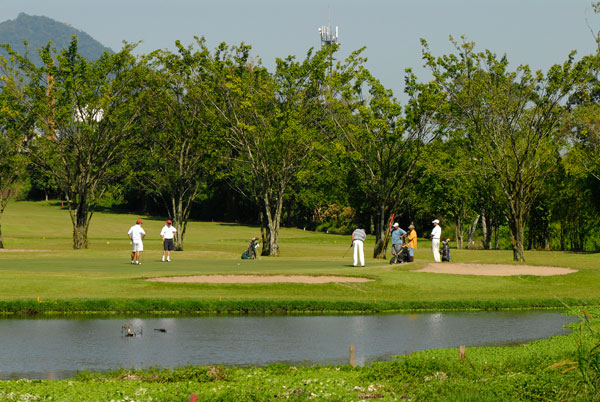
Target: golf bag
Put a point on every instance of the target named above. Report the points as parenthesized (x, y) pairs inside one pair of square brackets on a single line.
[(250, 253), (446, 251), (401, 257)]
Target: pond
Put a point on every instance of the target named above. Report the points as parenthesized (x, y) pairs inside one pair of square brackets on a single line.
[(59, 348)]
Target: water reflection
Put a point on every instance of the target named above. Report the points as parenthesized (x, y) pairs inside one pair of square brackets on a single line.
[(58, 348)]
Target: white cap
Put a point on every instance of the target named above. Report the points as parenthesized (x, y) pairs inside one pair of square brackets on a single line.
[(396, 225), (435, 221)]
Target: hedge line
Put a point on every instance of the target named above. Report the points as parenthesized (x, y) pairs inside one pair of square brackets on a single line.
[(241, 307)]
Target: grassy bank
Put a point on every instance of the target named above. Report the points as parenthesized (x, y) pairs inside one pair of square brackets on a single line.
[(101, 279), (238, 307)]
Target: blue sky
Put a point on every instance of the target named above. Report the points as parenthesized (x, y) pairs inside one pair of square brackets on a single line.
[(535, 32)]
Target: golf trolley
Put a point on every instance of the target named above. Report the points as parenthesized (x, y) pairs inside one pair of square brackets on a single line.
[(402, 256), (446, 250), (250, 253)]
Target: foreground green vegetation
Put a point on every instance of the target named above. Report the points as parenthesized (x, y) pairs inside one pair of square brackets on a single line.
[(546, 370)]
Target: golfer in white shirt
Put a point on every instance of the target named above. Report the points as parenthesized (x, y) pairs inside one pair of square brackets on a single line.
[(436, 234), (167, 233), (136, 235)]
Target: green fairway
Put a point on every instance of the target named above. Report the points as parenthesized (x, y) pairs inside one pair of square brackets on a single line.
[(56, 272)]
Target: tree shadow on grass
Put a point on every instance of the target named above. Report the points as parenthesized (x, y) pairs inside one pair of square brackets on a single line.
[(110, 210)]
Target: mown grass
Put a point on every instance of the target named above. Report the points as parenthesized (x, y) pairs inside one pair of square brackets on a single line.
[(101, 279)]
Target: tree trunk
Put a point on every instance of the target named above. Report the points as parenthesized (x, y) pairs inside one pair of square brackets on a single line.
[(178, 201), (80, 214), (80, 239), (265, 234), (3, 203), (274, 238), (180, 226), (179, 217), (496, 227), (270, 239), (459, 232), (517, 237), (1, 241), (271, 222), (472, 230), (180, 235), (80, 225), (178, 239), (484, 230), (380, 235), (487, 227)]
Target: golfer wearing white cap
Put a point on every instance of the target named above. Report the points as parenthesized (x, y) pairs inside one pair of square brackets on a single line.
[(436, 234), (397, 235)]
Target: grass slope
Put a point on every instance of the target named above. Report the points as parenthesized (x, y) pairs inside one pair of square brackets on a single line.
[(100, 278)]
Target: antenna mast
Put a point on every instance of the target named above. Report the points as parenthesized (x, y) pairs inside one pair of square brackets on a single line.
[(329, 36)]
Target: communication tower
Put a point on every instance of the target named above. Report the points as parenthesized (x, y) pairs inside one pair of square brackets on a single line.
[(329, 36)]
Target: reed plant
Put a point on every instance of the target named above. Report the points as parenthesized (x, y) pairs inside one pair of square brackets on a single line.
[(588, 357)]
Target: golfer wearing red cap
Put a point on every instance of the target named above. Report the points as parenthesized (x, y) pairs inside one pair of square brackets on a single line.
[(136, 235), (167, 233)]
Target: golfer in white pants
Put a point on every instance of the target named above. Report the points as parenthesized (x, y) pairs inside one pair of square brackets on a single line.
[(136, 235), (436, 234), (358, 238)]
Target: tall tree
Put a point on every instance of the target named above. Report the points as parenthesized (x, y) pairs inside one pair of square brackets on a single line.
[(16, 123), (510, 119), (12, 168), (582, 125), (85, 118), (180, 156), (273, 121), (383, 140)]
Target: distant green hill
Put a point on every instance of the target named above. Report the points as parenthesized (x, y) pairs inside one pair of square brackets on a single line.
[(38, 31)]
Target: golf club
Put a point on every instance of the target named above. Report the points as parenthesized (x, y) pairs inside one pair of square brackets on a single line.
[(346, 252)]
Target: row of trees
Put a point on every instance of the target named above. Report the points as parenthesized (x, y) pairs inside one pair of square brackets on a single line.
[(479, 142)]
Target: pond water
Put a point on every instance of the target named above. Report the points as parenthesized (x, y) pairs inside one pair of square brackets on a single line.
[(59, 348)]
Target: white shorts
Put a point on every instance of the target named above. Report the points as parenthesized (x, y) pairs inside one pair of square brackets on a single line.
[(137, 246)]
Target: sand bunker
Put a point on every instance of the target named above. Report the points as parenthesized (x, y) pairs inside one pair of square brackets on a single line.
[(493, 269), (439, 268), (258, 279)]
